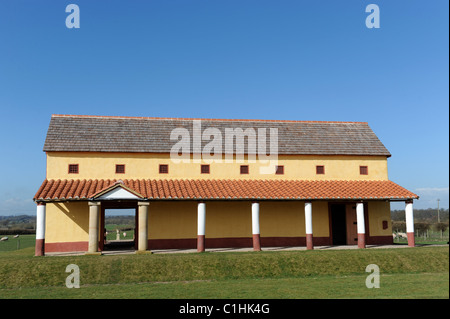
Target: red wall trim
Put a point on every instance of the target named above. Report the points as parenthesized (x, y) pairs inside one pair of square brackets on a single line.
[(379, 240), (186, 243), (236, 242), (66, 246), (233, 242), (241, 242)]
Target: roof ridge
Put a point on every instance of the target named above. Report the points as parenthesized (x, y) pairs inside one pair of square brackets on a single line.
[(205, 119)]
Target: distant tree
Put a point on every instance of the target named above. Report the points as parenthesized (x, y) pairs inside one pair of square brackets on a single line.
[(422, 227), (422, 215), (4, 223), (398, 227), (442, 227)]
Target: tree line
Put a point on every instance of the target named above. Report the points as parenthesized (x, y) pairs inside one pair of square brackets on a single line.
[(424, 220)]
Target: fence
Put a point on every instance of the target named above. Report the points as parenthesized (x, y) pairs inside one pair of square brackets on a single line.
[(424, 236)]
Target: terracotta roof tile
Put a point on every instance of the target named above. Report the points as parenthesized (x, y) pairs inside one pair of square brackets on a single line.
[(227, 189)]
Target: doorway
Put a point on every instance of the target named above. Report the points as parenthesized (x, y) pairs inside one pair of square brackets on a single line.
[(119, 224), (338, 224), (344, 226)]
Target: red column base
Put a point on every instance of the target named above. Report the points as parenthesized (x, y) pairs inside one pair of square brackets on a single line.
[(39, 248), (256, 242), (411, 240), (361, 240), (200, 243), (309, 242)]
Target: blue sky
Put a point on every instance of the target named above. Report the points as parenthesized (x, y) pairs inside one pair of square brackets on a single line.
[(300, 60)]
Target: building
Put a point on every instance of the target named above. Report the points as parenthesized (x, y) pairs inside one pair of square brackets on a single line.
[(216, 183)]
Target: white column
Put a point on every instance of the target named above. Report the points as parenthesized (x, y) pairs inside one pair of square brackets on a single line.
[(255, 227), (94, 213), (40, 230), (360, 225), (143, 226), (255, 218), (201, 222), (308, 226), (409, 214)]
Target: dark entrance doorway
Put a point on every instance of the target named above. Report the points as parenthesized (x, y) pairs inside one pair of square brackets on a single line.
[(119, 226), (344, 224), (338, 224)]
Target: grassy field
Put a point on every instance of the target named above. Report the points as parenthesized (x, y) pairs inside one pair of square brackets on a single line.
[(399, 286), (421, 272), (111, 229), (23, 241), (429, 237)]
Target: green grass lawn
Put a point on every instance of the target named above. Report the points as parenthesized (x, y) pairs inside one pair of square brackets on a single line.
[(421, 272), (428, 238), (23, 241), (398, 286), (111, 229)]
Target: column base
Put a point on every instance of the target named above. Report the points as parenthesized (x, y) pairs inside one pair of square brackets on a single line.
[(200, 243), (411, 240), (142, 245), (143, 252), (361, 240), (39, 248), (309, 242), (256, 242), (96, 253)]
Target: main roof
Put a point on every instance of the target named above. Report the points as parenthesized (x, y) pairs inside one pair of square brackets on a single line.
[(84, 133), (67, 190)]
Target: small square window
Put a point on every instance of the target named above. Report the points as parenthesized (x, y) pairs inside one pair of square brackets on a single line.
[(320, 169), (244, 169), (204, 169), (73, 168), (163, 169), (279, 170), (363, 170), (120, 168)]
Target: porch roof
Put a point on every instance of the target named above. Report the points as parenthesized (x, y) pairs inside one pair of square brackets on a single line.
[(167, 189)]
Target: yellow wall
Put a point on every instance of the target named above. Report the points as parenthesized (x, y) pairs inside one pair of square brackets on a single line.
[(69, 222), (287, 219), (66, 222), (378, 212), (228, 219), (176, 220), (172, 220), (146, 166)]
